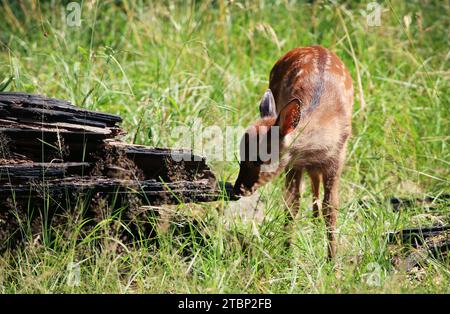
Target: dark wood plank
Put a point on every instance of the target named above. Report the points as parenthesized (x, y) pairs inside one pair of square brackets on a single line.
[(24, 172), (149, 191), (416, 236), (22, 102), (166, 164), (426, 242)]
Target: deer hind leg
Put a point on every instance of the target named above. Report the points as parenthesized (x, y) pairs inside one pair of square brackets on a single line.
[(331, 204), (316, 177), (293, 190)]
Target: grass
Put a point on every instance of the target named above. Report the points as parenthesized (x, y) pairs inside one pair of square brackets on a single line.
[(161, 64)]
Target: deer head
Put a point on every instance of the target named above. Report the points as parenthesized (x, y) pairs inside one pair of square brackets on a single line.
[(263, 148)]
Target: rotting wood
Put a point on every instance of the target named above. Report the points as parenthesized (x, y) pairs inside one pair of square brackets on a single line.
[(21, 172), (24, 107), (151, 191), (421, 243), (416, 236), (57, 159), (50, 145)]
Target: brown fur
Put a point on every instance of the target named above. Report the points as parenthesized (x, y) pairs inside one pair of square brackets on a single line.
[(313, 94)]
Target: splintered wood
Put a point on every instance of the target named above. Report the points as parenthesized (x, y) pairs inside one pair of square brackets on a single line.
[(50, 148)]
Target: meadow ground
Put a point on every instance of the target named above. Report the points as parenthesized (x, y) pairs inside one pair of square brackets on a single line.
[(161, 64)]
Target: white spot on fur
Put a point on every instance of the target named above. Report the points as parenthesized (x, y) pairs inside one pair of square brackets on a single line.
[(307, 59)]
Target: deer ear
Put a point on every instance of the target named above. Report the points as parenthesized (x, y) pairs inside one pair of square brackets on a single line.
[(289, 117), (267, 107)]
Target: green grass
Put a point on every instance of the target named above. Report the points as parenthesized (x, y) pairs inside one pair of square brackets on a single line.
[(160, 65)]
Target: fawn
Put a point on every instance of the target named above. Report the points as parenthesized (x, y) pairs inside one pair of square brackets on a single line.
[(310, 100)]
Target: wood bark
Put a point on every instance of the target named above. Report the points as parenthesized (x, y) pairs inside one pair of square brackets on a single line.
[(50, 147)]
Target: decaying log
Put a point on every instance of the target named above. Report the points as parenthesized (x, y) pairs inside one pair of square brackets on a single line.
[(422, 243), (150, 191), (45, 129), (28, 108), (416, 236), (23, 172), (50, 145), (55, 156)]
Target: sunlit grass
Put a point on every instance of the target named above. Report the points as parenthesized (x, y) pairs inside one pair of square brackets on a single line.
[(162, 64)]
